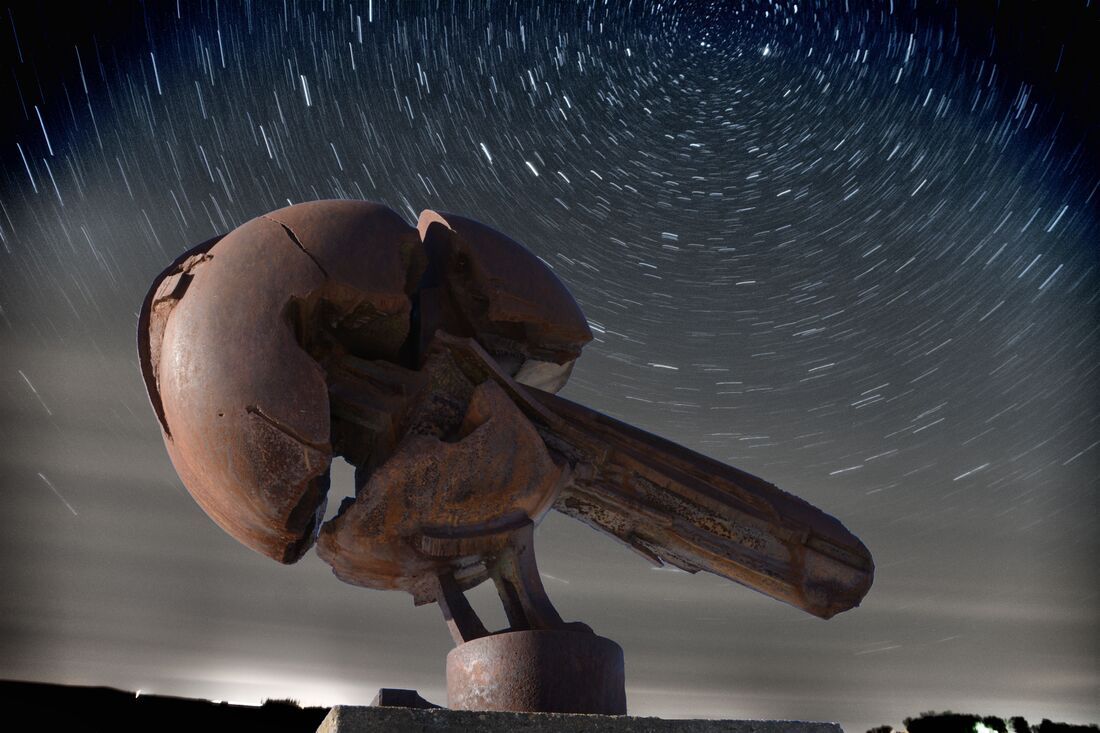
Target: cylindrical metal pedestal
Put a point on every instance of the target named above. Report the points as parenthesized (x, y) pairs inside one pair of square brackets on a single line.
[(548, 671)]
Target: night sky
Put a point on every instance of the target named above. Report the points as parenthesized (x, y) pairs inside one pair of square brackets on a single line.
[(850, 248)]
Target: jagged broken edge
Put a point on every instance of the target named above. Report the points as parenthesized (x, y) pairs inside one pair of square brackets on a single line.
[(144, 317)]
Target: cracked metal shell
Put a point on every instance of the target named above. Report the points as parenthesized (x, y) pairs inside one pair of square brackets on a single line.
[(508, 298), (243, 407), (371, 259)]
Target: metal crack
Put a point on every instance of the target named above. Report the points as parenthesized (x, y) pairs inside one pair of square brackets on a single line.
[(294, 238)]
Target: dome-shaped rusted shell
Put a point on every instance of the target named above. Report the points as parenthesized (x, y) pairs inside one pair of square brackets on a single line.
[(243, 407), (511, 300), (371, 258)]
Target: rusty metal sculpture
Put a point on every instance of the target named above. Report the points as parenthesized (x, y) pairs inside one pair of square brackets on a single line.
[(429, 357)]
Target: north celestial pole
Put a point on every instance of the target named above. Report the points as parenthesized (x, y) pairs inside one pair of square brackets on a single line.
[(848, 247)]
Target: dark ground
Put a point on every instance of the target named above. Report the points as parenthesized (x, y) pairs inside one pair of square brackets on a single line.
[(94, 709)]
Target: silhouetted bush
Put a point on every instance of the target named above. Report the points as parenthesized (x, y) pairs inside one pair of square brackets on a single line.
[(1019, 725), (949, 722), (1048, 727), (945, 722)]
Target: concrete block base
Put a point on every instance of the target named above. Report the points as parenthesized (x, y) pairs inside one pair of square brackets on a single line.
[(348, 719)]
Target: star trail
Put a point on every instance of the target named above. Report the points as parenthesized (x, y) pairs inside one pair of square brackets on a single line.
[(849, 247)]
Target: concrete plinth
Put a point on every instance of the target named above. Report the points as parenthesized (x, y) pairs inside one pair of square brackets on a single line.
[(345, 719)]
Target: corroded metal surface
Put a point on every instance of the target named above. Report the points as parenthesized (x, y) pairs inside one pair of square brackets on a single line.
[(424, 510), (549, 671), (677, 507), (246, 419), (428, 357)]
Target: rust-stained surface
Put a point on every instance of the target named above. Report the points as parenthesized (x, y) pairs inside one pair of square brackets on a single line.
[(442, 502), (245, 409), (428, 357), (677, 507), (538, 671)]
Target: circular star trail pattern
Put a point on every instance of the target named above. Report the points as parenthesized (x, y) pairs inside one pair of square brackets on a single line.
[(851, 249)]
